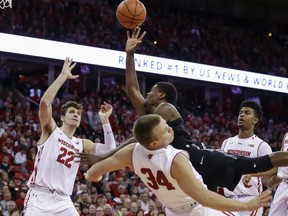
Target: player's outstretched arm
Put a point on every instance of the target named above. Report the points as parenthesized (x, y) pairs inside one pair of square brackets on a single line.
[(134, 39), (86, 158), (182, 172), (45, 108), (123, 158), (109, 139)]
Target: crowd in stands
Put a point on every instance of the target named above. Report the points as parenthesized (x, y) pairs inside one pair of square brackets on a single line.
[(194, 36), (207, 39)]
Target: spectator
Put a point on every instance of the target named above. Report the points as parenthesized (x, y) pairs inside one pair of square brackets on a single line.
[(100, 211), (77, 207), (20, 199), (145, 202), (4, 203), (15, 212), (124, 211), (140, 213), (92, 210), (11, 205), (13, 189), (107, 209), (5, 166), (133, 209), (84, 200), (21, 159)]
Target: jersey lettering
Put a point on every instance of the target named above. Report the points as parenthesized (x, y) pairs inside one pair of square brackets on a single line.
[(159, 180)]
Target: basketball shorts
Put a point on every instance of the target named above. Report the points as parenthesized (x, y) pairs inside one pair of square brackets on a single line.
[(45, 203)]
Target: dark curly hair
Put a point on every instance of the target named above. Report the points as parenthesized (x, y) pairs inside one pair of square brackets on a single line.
[(170, 91)]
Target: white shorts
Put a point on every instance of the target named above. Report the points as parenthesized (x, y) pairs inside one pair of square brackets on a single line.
[(279, 206), (46, 203), (196, 210)]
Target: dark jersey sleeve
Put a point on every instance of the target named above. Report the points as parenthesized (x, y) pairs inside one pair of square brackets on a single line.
[(223, 170)]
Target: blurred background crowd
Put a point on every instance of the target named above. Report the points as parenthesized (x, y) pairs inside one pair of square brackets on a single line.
[(198, 36)]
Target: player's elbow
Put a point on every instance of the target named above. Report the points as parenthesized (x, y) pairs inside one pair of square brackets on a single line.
[(130, 91), (44, 103)]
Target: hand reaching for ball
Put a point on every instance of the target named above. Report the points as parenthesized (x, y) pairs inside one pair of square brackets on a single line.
[(134, 39)]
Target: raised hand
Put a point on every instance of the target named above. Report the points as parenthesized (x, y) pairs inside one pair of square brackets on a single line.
[(105, 110), (85, 158), (67, 67), (134, 39)]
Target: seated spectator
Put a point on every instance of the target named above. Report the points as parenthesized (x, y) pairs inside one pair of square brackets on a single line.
[(20, 144), (140, 213), (162, 213), (151, 207), (13, 189), (91, 210), (123, 211), (133, 209), (116, 213), (4, 179), (4, 203), (5, 152), (77, 206), (11, 205), (15, 212), (84, 200), (107, 209), (100, 211), (117, 203), (21, 198), (145, 202), (21, 158), (153, 213), (30, 161), (4, 165)]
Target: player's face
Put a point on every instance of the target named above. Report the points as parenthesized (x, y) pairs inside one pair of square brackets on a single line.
[(152, 97), (246, 118), (72, 117), (164, 134)]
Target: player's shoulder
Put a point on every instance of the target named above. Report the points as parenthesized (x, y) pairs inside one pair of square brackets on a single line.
[(231, 139), (260, 141)]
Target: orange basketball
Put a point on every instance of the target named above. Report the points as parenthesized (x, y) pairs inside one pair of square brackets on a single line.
[(131, 13)]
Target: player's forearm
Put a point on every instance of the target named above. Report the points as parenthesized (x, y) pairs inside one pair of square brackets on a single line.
[(130, 73), (109, 141), (104, 120), (113, 151), (110, 164), (95, 173), (265, 174), (51, 92), (219, 202)]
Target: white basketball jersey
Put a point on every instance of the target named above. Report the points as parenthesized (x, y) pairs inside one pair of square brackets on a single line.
[(54, 163), (283, 171), (249, 147), (154, 169)]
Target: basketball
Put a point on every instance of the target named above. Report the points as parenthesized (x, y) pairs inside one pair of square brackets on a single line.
[(131, 13)]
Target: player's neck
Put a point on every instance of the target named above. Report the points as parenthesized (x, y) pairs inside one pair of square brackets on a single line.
[(68, 131), (243, 134)]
